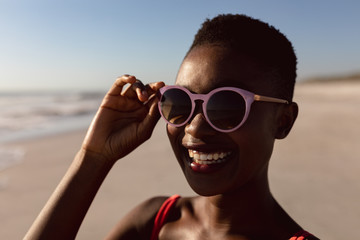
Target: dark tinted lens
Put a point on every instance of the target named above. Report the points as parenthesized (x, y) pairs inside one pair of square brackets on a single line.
[(175, 106), (226, 109)]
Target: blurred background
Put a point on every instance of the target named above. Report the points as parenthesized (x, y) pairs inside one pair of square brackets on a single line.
[(84, 45), (57, 58)]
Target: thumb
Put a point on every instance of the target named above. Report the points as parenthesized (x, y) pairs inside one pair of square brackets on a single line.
[(148, 124)]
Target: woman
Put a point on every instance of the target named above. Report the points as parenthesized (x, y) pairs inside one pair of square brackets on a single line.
[(222, 145)]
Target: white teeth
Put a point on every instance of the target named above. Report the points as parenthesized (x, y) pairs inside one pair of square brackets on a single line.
[(208, 158)]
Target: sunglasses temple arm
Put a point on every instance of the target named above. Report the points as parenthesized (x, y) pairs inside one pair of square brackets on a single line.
[(269, 99)]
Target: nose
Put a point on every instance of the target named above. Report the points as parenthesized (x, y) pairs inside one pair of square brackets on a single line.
[(198, 127)]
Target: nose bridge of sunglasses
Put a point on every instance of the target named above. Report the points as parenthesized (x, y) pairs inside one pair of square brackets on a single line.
[(198, 119), (198, 108)]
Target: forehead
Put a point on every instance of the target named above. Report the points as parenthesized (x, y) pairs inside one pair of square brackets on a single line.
[(208, 67)]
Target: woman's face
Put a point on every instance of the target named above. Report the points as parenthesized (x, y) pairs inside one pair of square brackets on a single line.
[(244, 153)]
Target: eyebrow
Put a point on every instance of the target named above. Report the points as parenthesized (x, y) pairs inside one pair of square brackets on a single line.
[(227, 82)]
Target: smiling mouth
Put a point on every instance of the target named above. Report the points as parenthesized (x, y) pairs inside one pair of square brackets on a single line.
[(207, 158), (207, 162)]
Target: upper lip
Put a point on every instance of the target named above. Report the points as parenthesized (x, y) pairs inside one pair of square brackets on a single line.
[(204, 147), (209, 145)]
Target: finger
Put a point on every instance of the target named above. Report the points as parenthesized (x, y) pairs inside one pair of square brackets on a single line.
[(120, 104), (119, 83), (150, 119), (136, 90), (152, 88), (141, 92)]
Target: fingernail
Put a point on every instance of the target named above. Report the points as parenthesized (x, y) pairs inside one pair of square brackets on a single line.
[(144, 93)]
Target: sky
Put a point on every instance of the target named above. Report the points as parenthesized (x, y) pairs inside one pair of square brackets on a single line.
[(86, 44)]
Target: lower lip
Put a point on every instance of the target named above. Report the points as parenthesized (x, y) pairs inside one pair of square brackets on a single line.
[(207, 168)]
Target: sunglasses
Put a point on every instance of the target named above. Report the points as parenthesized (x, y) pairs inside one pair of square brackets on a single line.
[(225, 108)]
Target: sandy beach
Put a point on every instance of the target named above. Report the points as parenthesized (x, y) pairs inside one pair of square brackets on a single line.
[(314, 172)]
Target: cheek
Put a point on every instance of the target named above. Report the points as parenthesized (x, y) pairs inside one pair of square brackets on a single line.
[(254, 154), (262, 147), (253, 145), (175, 136), (255, 140), (172, 133), (262, 119)]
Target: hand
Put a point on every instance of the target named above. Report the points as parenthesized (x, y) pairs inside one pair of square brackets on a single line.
[(124, 120)]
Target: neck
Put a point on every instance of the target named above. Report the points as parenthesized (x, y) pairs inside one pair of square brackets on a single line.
[(250, 209)]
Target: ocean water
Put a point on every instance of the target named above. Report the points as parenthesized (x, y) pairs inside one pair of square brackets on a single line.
[(33, 114)]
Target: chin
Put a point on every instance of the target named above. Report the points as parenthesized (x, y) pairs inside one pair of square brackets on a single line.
[(206, 192), (208, 178)]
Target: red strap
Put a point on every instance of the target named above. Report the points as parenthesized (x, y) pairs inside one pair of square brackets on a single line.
[(303, 235), (162, 215), (165, 208)]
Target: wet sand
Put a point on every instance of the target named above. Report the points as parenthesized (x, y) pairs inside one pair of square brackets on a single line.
[(314, 172)]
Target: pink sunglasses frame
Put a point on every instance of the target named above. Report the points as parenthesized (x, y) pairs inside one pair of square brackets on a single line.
[(249, 98)]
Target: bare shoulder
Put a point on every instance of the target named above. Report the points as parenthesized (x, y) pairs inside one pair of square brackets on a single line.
[(138, 223)]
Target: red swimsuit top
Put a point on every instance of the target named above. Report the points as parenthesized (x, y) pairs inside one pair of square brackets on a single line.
[(164, 211)]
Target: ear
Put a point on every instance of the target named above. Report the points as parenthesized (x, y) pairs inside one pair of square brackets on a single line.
[(286, 119)]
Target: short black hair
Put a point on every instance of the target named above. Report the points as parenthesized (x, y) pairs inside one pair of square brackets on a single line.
[(252, 37)]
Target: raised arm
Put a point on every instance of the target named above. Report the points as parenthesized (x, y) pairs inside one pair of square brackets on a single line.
[(124, 120)]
